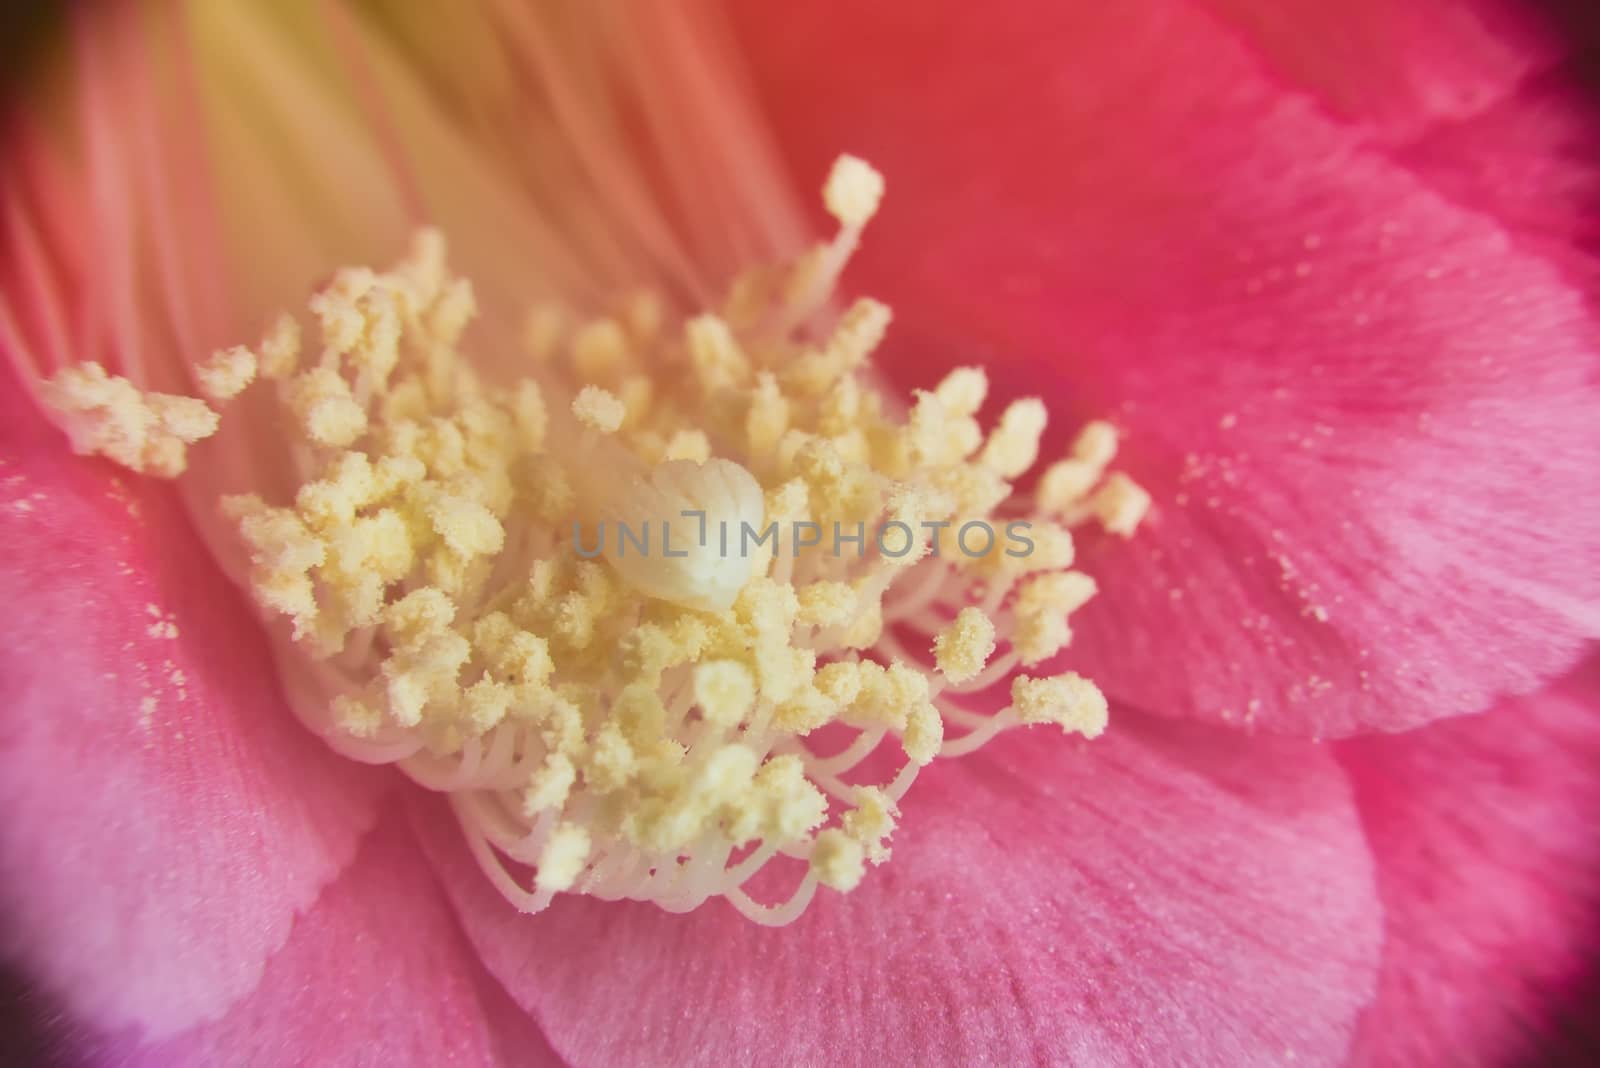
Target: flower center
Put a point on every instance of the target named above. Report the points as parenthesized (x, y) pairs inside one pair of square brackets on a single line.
[(645, 614)]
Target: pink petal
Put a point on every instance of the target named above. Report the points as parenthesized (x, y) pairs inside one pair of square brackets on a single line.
[(166, 817), (376, 973), (1531, 160), (1366, 417), (1483, 830), (1395, 66), (1181, 894)]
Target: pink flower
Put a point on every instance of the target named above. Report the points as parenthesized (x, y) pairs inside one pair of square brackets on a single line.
[(1316, 261)]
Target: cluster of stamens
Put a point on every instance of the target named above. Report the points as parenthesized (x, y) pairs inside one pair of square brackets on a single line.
[(616, 721)]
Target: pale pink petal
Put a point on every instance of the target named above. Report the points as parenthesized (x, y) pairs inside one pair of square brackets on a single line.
[(1157, 896), (1489, 869), (1365, 415), (376, 973), (166, 816)]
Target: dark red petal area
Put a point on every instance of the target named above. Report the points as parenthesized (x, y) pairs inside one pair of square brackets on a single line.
[(1365, 414), (1172, 895), (165, 816), (376, 973), (1489, 869)]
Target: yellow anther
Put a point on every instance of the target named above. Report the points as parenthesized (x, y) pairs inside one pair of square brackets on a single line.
[(859, 333), (422, 274), (290, 595), (550, 785), (973, 490), (639, 711), (600, 351), (840, 411), (692, 445), (107, 415), (864, 630), (337, 310), (887, 696), (962, 391), (927, 431), (378, 352), (334, 499), (804, 711), (637, 394), (486, 703), (327, 410), (418, 616), (644, 313), (227, 373), (1053, 547), (280, 349), (492, 634), (562, 727), (563, 857), (407, 694), (531, 415), (724, 690), (826, 604), (767, 607), (278, 540), (356, 716), (783, 671), (598, 409), (543, 331), (787, 805), (548, 489), (924, 731), (1041, 611), (1014, 445), (467, 526), (1066, 483), (1096, 444), (520, 657), (454, 308), (1121, 505), (611, 763), (838, 860), (840, 682), (871, 822), (788, 503), (1070, 701), (716, 356), (964, 647), (378, 545), (852, 191), (768, 417)]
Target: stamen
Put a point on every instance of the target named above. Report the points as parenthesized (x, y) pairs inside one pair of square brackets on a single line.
[(107, 415), (646, 639), (227, 373), (965, 646), (598, 409)]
